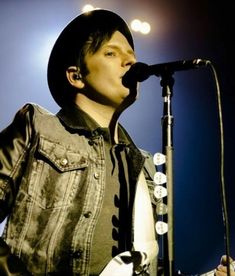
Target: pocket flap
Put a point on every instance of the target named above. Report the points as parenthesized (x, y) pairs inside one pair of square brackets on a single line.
[(62, 156)]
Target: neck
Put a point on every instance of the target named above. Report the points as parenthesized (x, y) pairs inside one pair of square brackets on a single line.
[(106, 116)]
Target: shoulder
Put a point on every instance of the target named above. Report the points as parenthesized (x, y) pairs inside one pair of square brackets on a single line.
[(34, 109), (32, 118), (22, 129), (35, 114), (30, 110)]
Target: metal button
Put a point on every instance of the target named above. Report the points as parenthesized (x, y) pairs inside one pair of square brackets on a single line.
[(88, 214), (76, 254), (91, 142), (64, 161), (96, 175)]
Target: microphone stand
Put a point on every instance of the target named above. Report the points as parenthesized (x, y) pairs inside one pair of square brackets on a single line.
[(167, 83)]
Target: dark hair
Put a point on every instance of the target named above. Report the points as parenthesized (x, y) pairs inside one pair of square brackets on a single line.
[(92, 45), (86, 33)]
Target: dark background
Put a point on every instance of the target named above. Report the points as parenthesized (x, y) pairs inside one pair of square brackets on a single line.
[(181, 30)]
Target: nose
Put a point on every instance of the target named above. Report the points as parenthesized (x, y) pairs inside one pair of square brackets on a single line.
[(128, 60)]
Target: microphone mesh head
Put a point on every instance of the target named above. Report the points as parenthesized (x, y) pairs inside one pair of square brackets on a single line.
[(138, 72)]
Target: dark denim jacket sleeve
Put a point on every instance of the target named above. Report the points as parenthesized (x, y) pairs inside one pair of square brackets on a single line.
[(14, 142)]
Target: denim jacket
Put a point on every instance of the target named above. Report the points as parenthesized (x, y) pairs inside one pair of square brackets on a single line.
[(52, 177)]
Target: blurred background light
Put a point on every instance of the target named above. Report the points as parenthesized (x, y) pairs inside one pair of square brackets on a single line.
[(136, 25), (88, 8), (145, 28), (139, 26)]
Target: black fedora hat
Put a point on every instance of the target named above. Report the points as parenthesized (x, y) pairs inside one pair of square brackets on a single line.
[(68, 45)]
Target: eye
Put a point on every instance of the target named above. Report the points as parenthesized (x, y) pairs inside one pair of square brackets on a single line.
[(110, 53)]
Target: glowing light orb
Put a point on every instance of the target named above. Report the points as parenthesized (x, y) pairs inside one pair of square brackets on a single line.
[(139, 26)]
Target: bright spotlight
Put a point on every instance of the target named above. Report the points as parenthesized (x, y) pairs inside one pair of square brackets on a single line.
[(145, 28), (88, 8), (139, 26), (136, 25)]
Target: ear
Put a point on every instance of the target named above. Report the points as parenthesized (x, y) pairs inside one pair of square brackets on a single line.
[(74, 77)]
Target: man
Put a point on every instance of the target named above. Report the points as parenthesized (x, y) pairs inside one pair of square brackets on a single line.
[(75, 188), (69, 182)]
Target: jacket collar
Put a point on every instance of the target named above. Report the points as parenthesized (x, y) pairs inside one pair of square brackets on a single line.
[(77, 119)]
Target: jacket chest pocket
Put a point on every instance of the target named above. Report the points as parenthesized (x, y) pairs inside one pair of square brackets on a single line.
[(57, 174)]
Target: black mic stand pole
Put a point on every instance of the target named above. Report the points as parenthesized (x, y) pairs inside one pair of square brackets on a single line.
[(167, 83)]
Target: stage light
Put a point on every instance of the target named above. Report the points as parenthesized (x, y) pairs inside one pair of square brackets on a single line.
[(136, 25), (139, 26), (145, 28), (88, 8)]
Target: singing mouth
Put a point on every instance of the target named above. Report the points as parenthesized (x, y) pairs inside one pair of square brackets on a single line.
[(124, 74)]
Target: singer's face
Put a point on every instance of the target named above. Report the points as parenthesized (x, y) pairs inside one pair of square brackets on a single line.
[(106, 67)]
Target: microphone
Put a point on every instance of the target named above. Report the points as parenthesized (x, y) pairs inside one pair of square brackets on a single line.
[(140, 71)]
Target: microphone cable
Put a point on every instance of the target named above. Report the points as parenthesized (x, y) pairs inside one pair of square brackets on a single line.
[(222, 182)]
